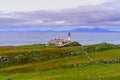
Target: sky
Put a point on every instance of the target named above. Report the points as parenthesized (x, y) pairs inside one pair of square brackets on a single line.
[(23, 15)]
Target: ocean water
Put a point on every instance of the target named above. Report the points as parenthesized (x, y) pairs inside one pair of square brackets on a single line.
[(28, 38)]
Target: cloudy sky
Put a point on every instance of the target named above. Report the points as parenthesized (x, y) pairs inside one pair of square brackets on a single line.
[(22, 15)]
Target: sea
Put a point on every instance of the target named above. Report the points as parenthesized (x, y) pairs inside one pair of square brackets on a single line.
[(30, 38)]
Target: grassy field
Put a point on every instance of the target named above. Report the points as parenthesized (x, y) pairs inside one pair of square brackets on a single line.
[(91, 72), (68, 63)]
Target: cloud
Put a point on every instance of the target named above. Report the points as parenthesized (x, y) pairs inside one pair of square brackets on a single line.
[(30, 5), (105, 15), (60, 22)]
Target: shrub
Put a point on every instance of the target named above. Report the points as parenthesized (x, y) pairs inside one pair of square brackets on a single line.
[(71, 44)]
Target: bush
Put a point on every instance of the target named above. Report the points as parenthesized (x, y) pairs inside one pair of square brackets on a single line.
[(71, 44)]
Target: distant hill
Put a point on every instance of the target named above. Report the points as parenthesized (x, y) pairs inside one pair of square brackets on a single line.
[(77, 30), (89, 30), (73, 30)]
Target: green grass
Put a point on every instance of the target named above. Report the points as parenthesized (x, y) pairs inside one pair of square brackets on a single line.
[(80, 59), (45, 65), (60, 63), (91, 72), (106, 55), (11, 50)]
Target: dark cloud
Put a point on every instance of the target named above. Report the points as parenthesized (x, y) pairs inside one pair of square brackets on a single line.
[(106, 14)]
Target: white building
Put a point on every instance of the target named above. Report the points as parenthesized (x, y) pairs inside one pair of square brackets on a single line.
[(60, 42)]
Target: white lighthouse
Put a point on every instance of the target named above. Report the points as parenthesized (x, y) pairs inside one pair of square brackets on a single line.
[(69, 37)]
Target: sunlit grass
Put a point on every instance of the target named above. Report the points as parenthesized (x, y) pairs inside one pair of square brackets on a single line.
[(45, 65), (57, 62), (106, 55), (91, 72)]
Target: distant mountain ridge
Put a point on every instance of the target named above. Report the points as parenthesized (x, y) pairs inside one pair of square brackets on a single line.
[(89, 30), (77, 30), (73, 30)]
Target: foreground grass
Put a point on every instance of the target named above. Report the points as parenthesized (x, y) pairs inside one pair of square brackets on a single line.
[(45, 65), (57, 63), (91, 72), (65, 61)]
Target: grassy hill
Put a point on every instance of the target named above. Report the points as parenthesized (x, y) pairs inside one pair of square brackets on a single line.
[(38, 62)]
